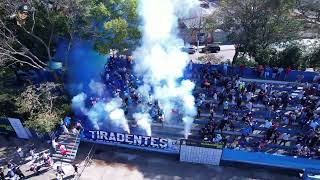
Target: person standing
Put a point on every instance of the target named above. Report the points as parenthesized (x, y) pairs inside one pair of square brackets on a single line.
[(287, 72), (54, 144), (20, 153), (18, 172), (284, 138), (280, 70), (60, 171), (2, 176), (75, 168), (225, 69)]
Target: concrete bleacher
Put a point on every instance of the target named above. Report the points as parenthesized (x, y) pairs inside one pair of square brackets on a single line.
[(175, 129), (250, 72), (259, 111)]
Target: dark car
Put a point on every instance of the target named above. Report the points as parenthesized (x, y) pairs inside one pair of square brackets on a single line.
[(189, 50), (205, 5), (212, 48)]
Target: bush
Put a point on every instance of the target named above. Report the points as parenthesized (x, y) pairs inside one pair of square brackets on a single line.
[(291, 56), (245, 61), (313, 59), (266, 56)]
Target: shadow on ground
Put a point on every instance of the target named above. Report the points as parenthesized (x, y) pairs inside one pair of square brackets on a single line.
[(161, 166)]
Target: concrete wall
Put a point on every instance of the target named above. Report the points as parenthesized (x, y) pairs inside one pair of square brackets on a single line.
[(260, 158)]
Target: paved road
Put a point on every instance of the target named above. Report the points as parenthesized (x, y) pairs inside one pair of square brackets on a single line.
[(227, 52), (118, 164)]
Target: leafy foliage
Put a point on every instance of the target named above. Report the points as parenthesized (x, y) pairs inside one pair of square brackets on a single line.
[(119, 29), (257, 24), (245, 61), (312, 59), (45, 105), (291, 56)]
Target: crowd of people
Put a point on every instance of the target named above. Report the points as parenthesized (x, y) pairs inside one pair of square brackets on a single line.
[(254, 115), (35, 160), (122, 83), (40, 160), (285, 115)]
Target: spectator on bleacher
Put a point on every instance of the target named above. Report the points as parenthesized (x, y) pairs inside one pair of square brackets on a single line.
[(268, 124), (287, 72), (284, 138), (242, 68), (223, 122), (212, 112), (262, 144), (190, 65), (225, 106), (267, 72), (249, 106), (206, 84), (274, 72), (198, 111), (259, 71), (269, 133), (225, 69), (279, 73), (275, 137), (217, 139)]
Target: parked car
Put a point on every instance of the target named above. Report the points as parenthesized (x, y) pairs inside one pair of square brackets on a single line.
[(189, 50), (205, 5), (212, 48)]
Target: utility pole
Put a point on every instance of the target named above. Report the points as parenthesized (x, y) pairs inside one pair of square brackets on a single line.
[(199, 29)]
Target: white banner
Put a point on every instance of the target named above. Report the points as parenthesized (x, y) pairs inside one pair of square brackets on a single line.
[(202, 155), (21, 132)]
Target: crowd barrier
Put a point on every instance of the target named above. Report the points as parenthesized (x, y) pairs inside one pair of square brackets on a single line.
[(251, 72), (198, 152), (265, 159)]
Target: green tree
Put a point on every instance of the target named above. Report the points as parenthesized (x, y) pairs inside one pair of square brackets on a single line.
[(258, 24), (312, 59), (45, 105), (210, 24), (266, 56), (291, 56), (32, 41), (116, 25)]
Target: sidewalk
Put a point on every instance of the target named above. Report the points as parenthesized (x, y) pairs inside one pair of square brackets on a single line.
[(8, 152)]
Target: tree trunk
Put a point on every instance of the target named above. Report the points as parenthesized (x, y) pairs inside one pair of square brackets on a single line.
[(234, 59)]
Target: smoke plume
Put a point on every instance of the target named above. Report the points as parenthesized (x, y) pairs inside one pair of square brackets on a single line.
[(101, 112), (160, 61)]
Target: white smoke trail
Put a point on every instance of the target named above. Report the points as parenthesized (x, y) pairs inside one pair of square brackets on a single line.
[(102, 111), (160, 60), (143, 121), (116, 114)]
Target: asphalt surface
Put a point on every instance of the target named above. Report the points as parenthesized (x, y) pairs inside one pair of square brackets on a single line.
[(109, 162)]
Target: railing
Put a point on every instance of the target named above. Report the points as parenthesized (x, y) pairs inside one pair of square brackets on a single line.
[(87, 161), (76, 145)]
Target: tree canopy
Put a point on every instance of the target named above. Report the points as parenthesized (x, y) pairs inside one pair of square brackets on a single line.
[(112, 25), (28, 37), (256, 24), (45, 105), (116, 25)]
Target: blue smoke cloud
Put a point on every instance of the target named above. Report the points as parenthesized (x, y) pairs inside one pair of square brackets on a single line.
[(85, 68), (83, 65)]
